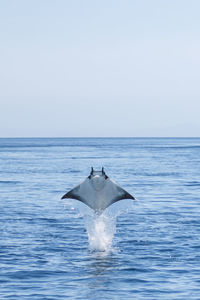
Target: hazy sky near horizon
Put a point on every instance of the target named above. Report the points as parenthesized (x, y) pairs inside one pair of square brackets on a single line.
[(99, 68)]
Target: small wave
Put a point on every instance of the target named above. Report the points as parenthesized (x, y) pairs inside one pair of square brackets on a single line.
[(162, 174), (23, 274), (74, 171), (193, 183), (178, 147), (9, 182)]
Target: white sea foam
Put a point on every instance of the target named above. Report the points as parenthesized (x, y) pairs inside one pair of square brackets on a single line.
[(101, 228), (100, 231)]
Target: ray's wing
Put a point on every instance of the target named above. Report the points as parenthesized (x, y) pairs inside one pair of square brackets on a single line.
[(73, 194), (81, 192), (115, 193)]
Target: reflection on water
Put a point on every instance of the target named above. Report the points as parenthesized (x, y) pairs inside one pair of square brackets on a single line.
[(101, 269)]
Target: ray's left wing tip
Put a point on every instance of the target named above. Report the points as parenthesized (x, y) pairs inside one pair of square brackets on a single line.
[(131, 197), (128, 196)]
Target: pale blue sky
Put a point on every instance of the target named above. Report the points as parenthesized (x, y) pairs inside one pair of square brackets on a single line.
[(99, 68)]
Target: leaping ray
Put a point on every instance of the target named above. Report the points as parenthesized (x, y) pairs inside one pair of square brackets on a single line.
[(98, 191)]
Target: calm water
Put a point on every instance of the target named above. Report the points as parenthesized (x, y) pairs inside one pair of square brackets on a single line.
[(55, 249)]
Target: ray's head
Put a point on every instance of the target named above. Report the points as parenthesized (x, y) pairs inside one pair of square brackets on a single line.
[(97, 174), (98, 179)]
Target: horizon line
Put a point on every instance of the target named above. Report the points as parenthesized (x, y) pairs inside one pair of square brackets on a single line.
[(97, 137)]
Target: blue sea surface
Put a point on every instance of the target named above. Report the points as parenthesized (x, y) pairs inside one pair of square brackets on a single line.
[(143, 249)]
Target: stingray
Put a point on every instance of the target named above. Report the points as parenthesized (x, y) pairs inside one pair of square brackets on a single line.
[(98, 191)]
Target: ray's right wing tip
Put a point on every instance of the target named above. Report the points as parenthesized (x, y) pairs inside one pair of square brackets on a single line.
[(69, 195), (64, 196)]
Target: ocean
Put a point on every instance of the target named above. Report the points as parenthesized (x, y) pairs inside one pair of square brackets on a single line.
[(59, 249)]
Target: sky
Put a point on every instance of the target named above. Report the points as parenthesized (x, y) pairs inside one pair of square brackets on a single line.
[(109, 68)]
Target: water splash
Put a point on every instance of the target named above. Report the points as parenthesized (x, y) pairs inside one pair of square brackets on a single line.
[(100, 231), (100, 228)]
